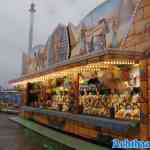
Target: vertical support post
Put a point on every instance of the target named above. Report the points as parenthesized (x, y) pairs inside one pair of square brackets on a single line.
[(24, 98), (23, 91), (148, 104), (144, 100), (75, 92)]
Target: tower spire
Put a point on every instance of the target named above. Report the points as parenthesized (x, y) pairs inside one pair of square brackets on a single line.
[(32, 11)]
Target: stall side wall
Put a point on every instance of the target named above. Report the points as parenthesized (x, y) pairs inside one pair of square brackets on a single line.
[(144, 101), (139, 33), (138, 39), (148, 98)]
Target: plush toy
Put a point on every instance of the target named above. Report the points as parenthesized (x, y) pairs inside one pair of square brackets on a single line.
[(120, 114), (136, 112)]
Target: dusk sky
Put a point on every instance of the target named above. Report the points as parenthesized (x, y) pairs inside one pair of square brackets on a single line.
[(14, 29)]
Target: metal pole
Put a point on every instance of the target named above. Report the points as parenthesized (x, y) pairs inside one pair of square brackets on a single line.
[(32, 11)]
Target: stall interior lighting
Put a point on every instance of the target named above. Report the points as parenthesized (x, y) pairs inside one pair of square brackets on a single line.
[(70, 72)]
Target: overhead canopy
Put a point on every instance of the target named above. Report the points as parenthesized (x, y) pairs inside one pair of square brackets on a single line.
[(83, 60)]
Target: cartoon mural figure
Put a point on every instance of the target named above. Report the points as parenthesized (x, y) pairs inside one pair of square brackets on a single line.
[(100, 36), (58, 46), (96, 36), (35, 61), (82, 40), (115, 27)]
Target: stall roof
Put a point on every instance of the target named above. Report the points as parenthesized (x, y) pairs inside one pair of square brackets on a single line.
[(81, 60)]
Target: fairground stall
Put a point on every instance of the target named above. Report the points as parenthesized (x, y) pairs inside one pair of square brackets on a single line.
[(92, 80)]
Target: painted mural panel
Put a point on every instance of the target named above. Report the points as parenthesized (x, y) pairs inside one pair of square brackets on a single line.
[(106, 26), (139, 35), (58, 45), (35, 61)]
